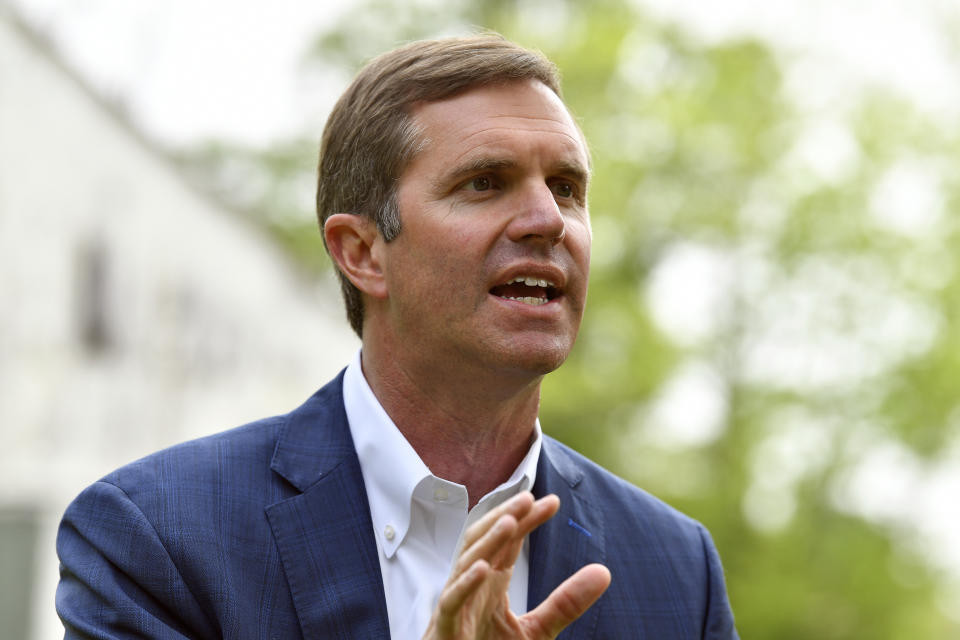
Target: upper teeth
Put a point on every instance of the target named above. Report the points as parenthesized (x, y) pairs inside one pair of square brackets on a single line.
[(532, 282)]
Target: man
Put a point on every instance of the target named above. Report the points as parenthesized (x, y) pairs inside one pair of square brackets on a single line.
[(396, 502)]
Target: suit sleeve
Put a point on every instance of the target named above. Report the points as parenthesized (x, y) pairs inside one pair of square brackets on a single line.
[(718, 622), (117, 580)]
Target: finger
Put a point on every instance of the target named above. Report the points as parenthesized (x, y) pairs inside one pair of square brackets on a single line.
[(455, 594), (489, 545), (541, 511), (567, 602), (518, 506)]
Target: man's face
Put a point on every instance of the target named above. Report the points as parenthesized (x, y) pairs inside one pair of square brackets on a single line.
[(493, 208)]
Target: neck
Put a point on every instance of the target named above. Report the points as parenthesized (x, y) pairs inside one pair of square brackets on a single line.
[(467, 428)]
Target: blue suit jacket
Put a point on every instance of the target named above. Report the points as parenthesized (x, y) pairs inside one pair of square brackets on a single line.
[(264, 532)]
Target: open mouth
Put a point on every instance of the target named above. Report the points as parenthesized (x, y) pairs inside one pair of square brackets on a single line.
[(527, 290)]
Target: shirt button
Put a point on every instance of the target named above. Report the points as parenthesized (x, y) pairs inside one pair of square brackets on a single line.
[(440, 494), (389, 533)]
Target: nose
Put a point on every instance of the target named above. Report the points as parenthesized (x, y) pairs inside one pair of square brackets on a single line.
[(538, 217)]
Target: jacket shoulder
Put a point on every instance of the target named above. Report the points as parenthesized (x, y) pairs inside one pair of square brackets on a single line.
[(668, 580), (201, 459), (238, 457), (609, 492), (638, 523)]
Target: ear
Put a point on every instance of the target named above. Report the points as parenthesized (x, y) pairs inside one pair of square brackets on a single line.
[(356, 246)]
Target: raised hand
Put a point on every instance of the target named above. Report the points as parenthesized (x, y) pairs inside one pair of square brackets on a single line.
[(474, 602)]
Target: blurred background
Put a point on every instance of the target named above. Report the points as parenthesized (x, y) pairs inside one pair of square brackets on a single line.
[(771, 344)]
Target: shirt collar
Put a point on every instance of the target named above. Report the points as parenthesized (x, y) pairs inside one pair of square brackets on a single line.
[(391, 468)]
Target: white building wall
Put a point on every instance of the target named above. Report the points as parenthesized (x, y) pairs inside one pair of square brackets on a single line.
[(205, 323)]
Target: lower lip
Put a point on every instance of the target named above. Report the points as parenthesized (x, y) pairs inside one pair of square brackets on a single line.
[(550, 308)]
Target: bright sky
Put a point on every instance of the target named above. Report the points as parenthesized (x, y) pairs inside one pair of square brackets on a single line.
[(191, 70), (228, 68), (898, 43)]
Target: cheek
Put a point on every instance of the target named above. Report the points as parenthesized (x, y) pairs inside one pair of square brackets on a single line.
[(578, 244), (434, 275)]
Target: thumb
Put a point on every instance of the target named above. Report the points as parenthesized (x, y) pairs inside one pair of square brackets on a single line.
[(567, 602)]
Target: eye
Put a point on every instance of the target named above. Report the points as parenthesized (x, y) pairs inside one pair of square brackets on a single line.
[(563, 189), (480, 183)]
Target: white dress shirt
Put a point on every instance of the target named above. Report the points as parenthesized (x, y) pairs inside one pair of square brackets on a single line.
[(418, 518)]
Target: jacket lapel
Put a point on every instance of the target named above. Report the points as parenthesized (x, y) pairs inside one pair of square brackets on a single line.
[(574, 537), (324, 534)]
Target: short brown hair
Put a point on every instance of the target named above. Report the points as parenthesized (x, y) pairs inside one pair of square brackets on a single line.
[(370, 137)]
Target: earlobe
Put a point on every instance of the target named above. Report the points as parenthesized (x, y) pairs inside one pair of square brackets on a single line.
[(354, 244)]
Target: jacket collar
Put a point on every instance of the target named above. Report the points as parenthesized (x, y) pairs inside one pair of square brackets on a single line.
[(323, 533), (573, 538), (315, 438)]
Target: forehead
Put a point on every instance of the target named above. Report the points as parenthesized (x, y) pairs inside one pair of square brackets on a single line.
[(523, 117)]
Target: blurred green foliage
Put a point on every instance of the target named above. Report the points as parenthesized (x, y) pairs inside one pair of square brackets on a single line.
[(774, 296)]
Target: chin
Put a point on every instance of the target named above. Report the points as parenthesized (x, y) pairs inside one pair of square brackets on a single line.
[(537, 360)]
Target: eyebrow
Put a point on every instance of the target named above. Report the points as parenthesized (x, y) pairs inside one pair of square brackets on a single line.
[(575, 170), (471, 167), (482, 164)]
